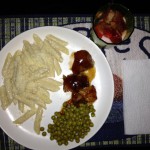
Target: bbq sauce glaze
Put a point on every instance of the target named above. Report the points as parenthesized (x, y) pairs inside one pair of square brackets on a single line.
[(82, 61), (79, 82)]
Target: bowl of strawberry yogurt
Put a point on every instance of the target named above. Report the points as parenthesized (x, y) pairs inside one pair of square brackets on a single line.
[(113, 24)]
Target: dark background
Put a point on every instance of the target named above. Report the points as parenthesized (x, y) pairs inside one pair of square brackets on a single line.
[(50, 7)]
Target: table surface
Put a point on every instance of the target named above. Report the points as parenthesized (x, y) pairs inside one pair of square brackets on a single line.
[(111, 134), (15, 7)]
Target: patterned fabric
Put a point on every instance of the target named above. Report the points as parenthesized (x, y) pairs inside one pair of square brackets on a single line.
[(112, 132)]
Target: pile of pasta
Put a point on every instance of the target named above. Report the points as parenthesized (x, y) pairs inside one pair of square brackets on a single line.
[(29, 76)]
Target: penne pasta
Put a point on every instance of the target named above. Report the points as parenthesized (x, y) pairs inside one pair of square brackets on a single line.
[(27, 102), (5, 102), (26, 57), (28, 47), (52, 51), (38, 41), (38, 119), (52, 81), (29, 77), (32, 97), (6, 64), (8, 89), (21, 106), (48, 84), (57, 46), (44, 95), (25, 116), (56, 39), (57, 67)]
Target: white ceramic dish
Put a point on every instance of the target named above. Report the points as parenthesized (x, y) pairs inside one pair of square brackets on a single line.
[(103, 81)]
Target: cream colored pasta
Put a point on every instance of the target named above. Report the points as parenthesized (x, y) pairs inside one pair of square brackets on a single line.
[(38, 119), (28, 114), (57, 40), (57, 46), (29, 77)]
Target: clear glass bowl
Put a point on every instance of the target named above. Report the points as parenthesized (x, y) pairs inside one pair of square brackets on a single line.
[(112, 25)]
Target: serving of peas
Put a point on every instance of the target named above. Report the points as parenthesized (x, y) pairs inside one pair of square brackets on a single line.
[(70, 124)]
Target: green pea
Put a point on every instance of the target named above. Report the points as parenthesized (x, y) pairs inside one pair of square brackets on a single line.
[(92, 114), (51, 137), (59, 143), (74, 123), (44, 133), (41, 128)]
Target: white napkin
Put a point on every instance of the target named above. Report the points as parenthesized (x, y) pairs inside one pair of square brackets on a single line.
[(136, 96)]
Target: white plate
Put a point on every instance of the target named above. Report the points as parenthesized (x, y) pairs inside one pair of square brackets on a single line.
[(103, 81)]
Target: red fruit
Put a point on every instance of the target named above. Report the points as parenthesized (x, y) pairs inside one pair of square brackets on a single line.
[(119, 21), (112, 25), (112, 34), (116, 38), (98, 31)]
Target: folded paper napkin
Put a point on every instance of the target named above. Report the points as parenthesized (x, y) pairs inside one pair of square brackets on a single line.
[(136, 96)]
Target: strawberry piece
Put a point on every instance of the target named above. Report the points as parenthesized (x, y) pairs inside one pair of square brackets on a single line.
[(112, 34), (119, 21), (98, 30), (116, 38)]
